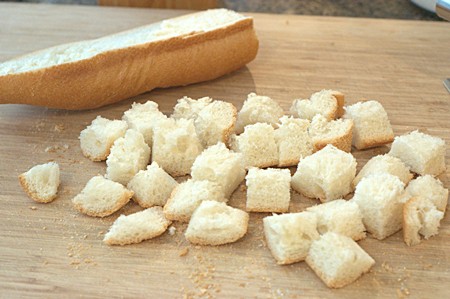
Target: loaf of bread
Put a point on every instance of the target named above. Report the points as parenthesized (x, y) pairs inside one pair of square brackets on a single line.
[(41, 182), (93, 73), (328, 103)]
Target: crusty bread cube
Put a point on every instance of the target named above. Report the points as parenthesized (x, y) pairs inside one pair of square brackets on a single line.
[(379, 197), (215, 123), (257, 144), (336, 132), (101, 197), (143, 118), (340, 216), (268, 190), (187, 196), (328, 103), (152, 187), (220, 165), (96, 140), (371, 124), (129, 154), (258, 109), (137, 227), (338, 260), (326, 174), (289, 236), (385, 164), (423, 153), (176, 145), (215, 223), (293, 140), (41, 182), (189, 108), (430, 188), (420, 217)]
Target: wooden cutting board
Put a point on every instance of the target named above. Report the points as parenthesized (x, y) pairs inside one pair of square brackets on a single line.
[(50, 250)]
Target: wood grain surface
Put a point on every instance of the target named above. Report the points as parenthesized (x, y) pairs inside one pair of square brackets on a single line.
[(50, 250)]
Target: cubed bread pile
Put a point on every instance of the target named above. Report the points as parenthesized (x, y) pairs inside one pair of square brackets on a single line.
[(220, 148)]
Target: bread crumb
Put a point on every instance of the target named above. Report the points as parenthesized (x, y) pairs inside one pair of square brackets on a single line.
[(387, 267), (59, 127), (33, 208), (184, 251), (172, 230)]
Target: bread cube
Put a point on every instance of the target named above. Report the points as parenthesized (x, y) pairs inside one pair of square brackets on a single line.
[(336, 132), (429, 188), (41, 182), (215, 123), (338, 260), (340, 216), (423, 153), (101, 197), (328, 103), (129, 154), (289, 236), (326, 174), (143, 118), (385, 164), (187, 196), (371, 124), (176, 145), (257, 145), (96, 140), (420, 217), (258, 109), (379, 198), (189, 108), (137, 227), (152, 187), (268, 190), (220, 165), (292, 140), (215, 223)]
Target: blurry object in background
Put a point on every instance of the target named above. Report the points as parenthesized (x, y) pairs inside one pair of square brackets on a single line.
[(429, 5), (173, 4), (443, 10)]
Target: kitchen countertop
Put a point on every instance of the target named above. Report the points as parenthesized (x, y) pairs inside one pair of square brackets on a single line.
[(50, 250)]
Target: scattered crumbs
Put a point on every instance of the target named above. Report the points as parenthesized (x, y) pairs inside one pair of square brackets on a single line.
[(427, 266), (59, 128), (172, 230), (44, 228), (33, 208), (184, 251), (387, 267), (242, 284), (45, 262), (403, 292), (55, 148), (100, 233)]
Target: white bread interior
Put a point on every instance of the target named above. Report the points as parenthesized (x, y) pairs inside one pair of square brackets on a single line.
[(41, 182)]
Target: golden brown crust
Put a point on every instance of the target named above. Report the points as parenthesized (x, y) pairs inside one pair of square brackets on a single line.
[(343, 143), (126, 196), (288, 162), (340, 102), (32, 194), (101, 80), (168, 214), (410, 232), (374, 142), (230, 130)]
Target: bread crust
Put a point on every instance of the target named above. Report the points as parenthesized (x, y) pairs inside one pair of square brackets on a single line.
[(344, 143), (374, 142), (118, 74), (118, 205), (31, 194)]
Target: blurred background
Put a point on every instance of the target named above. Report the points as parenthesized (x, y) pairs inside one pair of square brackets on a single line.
[(393, 9)]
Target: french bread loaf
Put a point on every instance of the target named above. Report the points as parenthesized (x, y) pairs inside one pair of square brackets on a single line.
[(93, 73)]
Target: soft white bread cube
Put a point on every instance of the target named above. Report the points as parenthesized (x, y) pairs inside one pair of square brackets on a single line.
[(338, 260), (189, 108), (289, 236), (420, 217), (152, 187), (101, 197), (340, 216), (385, 164), (293, 140), (258, 109), (336, 132), (430, 188), (328, 103), (176, 145), (187, 196), (220, 165), (41, 182), (379, 197), (215, 123), (257, 145), (96, 140), (143, 118), (137, 227), (423, 153), (129, 154), (268, 190), (326, 174), (215, 223), (371, 124)]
